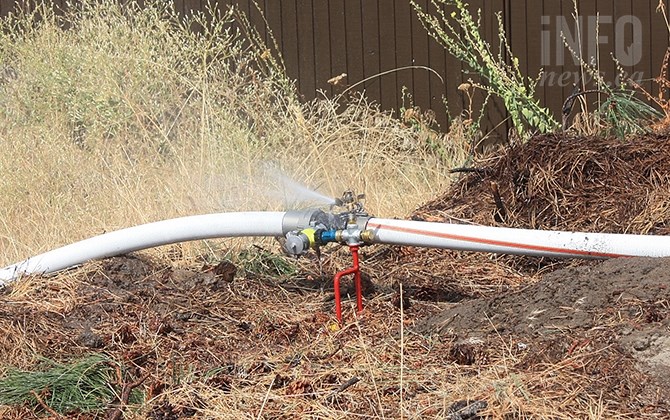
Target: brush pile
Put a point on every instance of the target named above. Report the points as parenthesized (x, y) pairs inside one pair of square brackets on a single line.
[(616, 313), (552, 182)]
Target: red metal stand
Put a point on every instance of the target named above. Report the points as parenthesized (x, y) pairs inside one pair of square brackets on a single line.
[(355, 270)]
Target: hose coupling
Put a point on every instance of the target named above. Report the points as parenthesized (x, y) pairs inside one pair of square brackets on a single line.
[(350, 236), (311, 228), (353, 236), (298, 242)]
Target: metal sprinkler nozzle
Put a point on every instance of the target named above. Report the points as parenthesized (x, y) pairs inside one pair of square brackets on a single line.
[(313, 228), (351, 201)]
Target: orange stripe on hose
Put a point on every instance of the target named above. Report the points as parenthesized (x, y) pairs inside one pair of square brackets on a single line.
[(496, 243)]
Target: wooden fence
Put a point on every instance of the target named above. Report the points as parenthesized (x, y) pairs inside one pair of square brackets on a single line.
[(320, 39)]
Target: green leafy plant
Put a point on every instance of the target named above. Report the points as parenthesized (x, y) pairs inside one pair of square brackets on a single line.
[(459, 33)]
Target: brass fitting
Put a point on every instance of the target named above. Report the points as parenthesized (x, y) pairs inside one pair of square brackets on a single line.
[(368, 236)]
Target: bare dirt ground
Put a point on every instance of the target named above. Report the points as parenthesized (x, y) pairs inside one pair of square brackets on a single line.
[(616, 311), (467, 336)]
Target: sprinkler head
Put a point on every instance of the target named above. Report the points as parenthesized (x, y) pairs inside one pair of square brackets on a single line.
[(351, 201)]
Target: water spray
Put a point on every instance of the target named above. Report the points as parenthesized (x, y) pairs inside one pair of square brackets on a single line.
[(346, 223)]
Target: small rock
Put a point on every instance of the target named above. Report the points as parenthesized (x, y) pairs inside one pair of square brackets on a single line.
[(225, 270), (90, 339), (641, 345), (466, 410)]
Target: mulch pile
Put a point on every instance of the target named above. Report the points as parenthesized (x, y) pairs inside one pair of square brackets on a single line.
[(567, 183), (553, 182), (615, 313)]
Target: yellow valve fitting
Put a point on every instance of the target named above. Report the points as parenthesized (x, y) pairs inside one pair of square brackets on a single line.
[(310, 234)]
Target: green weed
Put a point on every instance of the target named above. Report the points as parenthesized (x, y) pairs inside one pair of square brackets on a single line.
[(259, 262), (459, 33), (618, 111), (81, 386)]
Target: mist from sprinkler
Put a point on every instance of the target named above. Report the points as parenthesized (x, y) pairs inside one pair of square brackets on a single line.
[(292, 192)]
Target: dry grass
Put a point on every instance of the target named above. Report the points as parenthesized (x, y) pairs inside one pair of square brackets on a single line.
[(128, 117)]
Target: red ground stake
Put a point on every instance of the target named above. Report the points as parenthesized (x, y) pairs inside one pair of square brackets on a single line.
[(355, 270)]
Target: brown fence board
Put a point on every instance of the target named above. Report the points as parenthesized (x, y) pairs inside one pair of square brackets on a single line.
[(338, 42), (354, 35), (534, 13), (659, 43), (321, 30), (59, 5), (370, 20), (517, 32), (550, 11), (257, 20), (9, 6), (420, 56), (242, 5), (496, 113), (273, 18), (520, 12), (306, 53), (6, 7), (289, 33), (187, 6), (453, 77), (387, 55), (645, 13), (403, 47), (607, 65), (437, 62), (624, 8), (588, 12)]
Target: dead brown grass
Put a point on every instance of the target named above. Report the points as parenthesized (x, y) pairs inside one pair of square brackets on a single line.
[(96, 139), (259, 346)]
